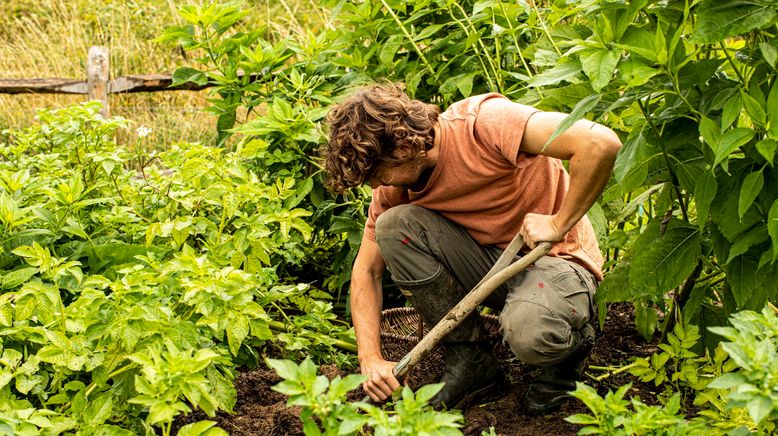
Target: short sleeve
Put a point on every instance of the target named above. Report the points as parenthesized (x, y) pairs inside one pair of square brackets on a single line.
[(500, 124)]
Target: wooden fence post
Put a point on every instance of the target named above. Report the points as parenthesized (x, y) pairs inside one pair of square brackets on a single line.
[(97, 68)]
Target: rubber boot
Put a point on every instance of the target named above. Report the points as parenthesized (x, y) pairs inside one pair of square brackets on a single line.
[(471, 367), (550, 388)]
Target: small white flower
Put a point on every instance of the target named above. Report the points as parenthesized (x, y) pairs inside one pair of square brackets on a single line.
[(143, 131)]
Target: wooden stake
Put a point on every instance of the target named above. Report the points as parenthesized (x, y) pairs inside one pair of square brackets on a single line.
[(97, 68)]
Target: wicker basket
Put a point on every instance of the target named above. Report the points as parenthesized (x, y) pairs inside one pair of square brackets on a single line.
[(401, 328)]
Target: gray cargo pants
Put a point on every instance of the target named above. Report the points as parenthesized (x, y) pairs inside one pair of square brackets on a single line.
[(540, 307)]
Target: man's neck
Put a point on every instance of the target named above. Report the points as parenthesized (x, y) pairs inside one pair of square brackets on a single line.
[(429, 164)]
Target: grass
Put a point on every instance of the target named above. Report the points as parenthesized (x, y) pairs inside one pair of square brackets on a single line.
[(50, 39)]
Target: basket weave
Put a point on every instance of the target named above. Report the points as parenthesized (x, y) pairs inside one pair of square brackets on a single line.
[(401, 327)]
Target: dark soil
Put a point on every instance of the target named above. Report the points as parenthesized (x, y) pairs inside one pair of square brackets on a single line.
[(262, 411)]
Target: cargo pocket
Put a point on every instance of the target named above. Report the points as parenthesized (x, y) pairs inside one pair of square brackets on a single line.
[(574, 297)]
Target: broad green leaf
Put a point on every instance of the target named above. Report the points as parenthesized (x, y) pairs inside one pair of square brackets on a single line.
[(289, 388), (428, 31), (465, 85), (596, 217), (201, 428), (772, 111), (462, 83), (425, 393), (767, 148), (704, 193), (645, 319), (15, 278), (730, 112), (759, 408), (718, 20), (578, 112), (187, 74), (663, 261), (310, 428), (724, 209), (237, 330), (755, 236), (769, 52), (99, 410), (632, 162), (772, 227), (286, 369), (613, 288), (752, 186), (730, 141), (754, 109), (642, 43), (728, 381), (636, 72), (599, 65), (747, 287), (710, 132), (389, 49), (300, 192), (565, 71)]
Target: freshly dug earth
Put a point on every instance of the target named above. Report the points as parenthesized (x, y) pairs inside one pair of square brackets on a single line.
[(262, 411)]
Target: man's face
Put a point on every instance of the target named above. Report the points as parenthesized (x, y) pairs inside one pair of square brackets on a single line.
[(404, 175)]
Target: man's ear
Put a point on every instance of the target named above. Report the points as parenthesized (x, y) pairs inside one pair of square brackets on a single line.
[(403, 151)]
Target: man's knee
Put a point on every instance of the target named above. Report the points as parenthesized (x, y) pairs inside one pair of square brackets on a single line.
[(535, 335), (397, 220)]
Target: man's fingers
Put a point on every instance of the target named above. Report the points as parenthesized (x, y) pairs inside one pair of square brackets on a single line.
[(394, 384), (372, 395), (383, 387)]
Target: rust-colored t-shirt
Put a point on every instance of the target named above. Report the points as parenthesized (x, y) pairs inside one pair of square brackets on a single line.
[(483, 182)]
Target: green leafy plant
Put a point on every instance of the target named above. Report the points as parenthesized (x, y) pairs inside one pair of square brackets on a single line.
[(319, 397), (326, 400), (133, 285), (614, 415), (678, 366), (412, 415), (753, 346)]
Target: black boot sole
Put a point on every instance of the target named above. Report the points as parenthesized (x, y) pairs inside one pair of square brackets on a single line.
[(551, 406)]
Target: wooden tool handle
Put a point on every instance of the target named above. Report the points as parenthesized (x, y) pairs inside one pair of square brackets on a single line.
[(464, 308)]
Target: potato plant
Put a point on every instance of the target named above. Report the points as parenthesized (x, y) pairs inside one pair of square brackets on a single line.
[(134, 284)]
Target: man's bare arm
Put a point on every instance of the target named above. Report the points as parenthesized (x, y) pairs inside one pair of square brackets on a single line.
[(366, 299), (591, 149)]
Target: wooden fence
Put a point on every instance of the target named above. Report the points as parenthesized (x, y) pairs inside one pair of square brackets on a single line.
[(98, 85)]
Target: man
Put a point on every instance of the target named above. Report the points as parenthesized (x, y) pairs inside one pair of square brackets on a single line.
[(450, 192)]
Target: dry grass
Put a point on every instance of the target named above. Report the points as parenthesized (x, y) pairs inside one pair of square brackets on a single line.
[(50, 38)]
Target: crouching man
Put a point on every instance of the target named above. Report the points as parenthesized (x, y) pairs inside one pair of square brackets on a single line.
[(451, 190)]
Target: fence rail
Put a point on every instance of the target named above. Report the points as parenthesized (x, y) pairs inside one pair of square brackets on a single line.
[(97, 85), (134, 83)]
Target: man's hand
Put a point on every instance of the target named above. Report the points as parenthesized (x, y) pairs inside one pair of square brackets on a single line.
[(380, 381), (538, 228)]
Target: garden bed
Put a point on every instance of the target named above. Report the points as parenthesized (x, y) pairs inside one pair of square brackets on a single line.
[(260, 410)]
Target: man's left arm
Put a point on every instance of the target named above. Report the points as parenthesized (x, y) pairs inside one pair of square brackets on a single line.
[(591, 149)]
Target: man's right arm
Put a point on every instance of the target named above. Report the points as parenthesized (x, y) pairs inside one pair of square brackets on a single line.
[(366, 299)]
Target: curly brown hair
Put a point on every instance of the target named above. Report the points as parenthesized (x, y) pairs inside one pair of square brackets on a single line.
[(368, 126)]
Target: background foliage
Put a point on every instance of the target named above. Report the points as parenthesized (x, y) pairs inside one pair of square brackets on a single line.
[(689, 86), (137, 281)]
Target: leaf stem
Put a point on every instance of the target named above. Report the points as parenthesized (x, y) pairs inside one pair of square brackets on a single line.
[(410, 39), (544, 27), (474, 46), (483, 47), (731, 62), (343, 345), (611, 370), (673, 176)]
